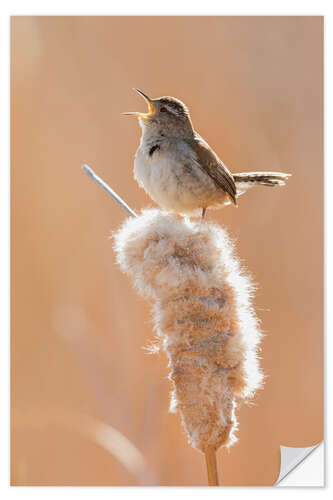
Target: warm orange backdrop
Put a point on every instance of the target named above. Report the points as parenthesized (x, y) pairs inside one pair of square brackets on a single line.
[(254, 88)]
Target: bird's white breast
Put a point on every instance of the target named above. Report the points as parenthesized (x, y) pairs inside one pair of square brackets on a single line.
[(172, 177)]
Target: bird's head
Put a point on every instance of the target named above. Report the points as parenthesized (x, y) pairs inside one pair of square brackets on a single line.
[(168, 114)]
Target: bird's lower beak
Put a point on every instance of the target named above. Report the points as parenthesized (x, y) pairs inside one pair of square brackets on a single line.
[(151, 108)]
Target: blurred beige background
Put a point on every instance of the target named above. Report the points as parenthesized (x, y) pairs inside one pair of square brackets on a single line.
[(254, 86)]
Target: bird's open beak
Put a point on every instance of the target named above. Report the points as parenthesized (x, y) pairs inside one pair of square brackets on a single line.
[(151, 108)]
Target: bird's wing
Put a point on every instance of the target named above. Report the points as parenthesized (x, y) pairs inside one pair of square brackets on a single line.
[(213, 166)]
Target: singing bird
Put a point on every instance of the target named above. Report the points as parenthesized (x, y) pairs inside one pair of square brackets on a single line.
[(179, 170)]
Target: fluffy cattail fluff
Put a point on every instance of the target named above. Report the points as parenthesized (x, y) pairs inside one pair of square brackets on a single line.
[(202, 314)]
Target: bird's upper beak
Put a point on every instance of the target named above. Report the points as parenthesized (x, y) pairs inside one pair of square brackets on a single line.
[(151, 107)]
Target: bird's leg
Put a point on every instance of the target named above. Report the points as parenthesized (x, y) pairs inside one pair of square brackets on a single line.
[(203, 214)]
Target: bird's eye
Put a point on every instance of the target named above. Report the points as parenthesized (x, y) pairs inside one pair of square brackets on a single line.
[(163, 109)]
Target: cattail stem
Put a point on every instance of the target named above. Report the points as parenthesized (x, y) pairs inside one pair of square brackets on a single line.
[(210, 455)]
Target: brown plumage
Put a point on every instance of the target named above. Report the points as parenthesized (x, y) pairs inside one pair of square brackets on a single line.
[(179, 170), (213, 166)]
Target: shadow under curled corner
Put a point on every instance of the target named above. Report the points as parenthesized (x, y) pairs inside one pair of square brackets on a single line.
[(302, 466)]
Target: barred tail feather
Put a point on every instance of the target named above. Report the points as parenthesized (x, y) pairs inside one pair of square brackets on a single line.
[(264, 178)]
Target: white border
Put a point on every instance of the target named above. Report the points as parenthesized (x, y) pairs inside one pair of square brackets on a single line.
[(138, 7), (170, 7), (4, 246)]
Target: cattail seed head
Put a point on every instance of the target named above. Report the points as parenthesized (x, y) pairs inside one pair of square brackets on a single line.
[(202, 314)]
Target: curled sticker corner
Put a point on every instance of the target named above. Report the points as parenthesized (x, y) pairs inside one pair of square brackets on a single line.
[(291, 457)]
